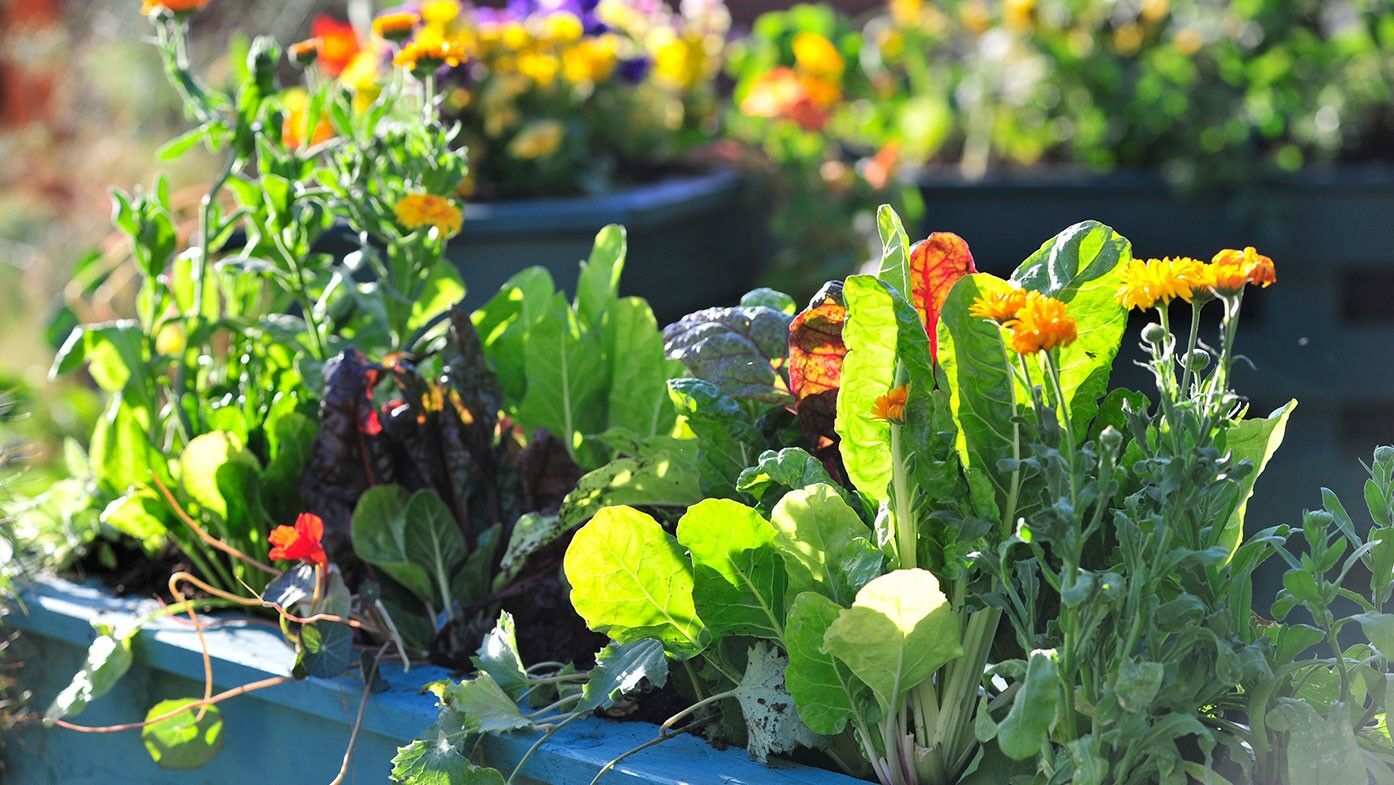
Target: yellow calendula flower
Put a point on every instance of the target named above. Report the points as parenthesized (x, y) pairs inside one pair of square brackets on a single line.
[(149, 7), (1146, 283), (395, 27), (1000, 306), (538, 139), (906, 12), (1230, 270), (1019, 14), (679, 61), (425, 57), (1042, 324), (562, 28), (542, 68), (816, 55), (891, 406), (416, 211)]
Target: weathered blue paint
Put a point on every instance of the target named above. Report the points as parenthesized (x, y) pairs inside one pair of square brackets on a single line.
[(296, 732)]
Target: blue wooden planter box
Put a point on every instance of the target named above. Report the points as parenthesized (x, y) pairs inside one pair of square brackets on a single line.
[(297, 732), (1323, 335), (694, 241)]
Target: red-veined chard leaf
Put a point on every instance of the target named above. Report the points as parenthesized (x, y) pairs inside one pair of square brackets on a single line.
[(816, 352), (936, 264)]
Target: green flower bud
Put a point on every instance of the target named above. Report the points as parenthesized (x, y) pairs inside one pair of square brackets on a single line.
[(1154, 334)]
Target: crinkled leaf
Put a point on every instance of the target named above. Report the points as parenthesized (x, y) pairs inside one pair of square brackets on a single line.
[(769, 298), (663, 474), (936, 264), (620, 668), (727, 439), (738, 576), (631, 580), (498, 657), (435, 761), (777, 473), (183, 741), (825, 691), (772, 722), (734, 349), (108, 659), (482, 706)]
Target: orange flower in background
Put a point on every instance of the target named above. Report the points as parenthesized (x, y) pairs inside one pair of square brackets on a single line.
[(1146, 283), (149, 7), (338, 43), (295, 128), (415, 211), (881, 168), (1000, 306), (782, 93), (300, 542), (395, 27), (891, 406), (304, 53), (1042, 324)]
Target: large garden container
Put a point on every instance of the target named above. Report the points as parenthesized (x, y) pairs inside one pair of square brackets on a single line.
[(297, 732), (1324, 335), (694, 241)]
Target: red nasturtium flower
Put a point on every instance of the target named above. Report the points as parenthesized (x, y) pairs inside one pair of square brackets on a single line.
[(300, 542), (338, 43)]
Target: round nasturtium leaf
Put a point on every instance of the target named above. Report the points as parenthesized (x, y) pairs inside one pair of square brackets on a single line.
[(183, 741)]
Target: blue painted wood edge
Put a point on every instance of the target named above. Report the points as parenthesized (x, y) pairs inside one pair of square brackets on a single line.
[(636, 208), (244, 651)]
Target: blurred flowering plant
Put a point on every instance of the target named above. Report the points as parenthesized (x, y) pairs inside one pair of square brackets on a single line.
[(557, 97)]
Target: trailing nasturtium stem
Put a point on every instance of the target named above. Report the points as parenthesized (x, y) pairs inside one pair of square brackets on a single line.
[(202, 705)]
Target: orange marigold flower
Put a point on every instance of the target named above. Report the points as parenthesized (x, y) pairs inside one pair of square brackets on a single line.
[(1231, 269), (415, 211), (395, 26), (300, 542), (891, 406), (423, 57), (784, 93), (295, 128), (1146, 283), (338, 43), (1042, 324), (304, 53), (149, 7), (1001, 306)]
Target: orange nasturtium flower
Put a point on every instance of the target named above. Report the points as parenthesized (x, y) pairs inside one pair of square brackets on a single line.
[(149, 7), (300, 542), (295, 128), (415, 211), (891, 406), (423, 57), (395, 26), (338, 43), (1000, 306), (1042, 324), (1146, 283)]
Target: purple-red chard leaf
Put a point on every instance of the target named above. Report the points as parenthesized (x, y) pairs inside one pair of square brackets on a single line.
[(737, 349), (936, 264), (816, 351)]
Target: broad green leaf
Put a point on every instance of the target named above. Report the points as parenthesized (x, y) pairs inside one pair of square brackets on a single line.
[(1137, 685), (1083, 266), (1254, 441), (663, 474), (895, 250), (121, 453), (1322, 751), (108, 659), (772, 722), (631, 580), (482, 706), (379, 538), (443, 288), (982, 393), (727, 439), (888, 347), (825, 691), (498, 657), (815, 527), (1023, 733), (200, 462), (326, 649), (139, 514), (183, 741), (565, 379), (433, 541), (619, 669), (738, 576), (435, 761), (598, 285), (504, 322), (114, 353), (898, 632), (1379, 631), (638, 372)]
